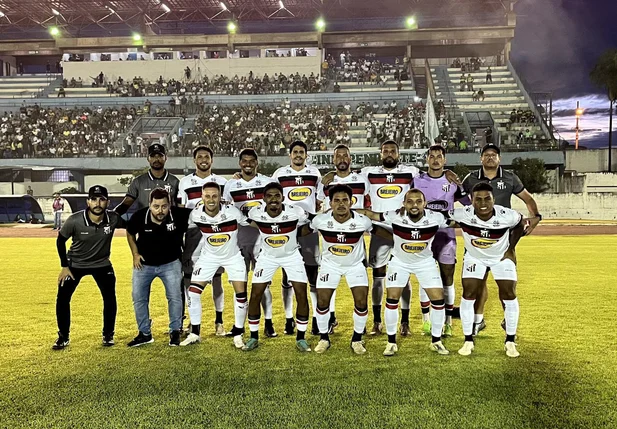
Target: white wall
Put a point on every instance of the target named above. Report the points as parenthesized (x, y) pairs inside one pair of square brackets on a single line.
[(590, 161), (39, 188), (151, 70), (589, 206)]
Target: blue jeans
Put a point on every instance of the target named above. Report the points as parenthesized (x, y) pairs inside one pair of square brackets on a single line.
[(171, 275), (57, 220)]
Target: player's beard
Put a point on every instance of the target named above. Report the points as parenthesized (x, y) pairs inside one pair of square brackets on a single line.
[(298, 162), (389, 162), (342, 166), (204, 169), (157, 165)]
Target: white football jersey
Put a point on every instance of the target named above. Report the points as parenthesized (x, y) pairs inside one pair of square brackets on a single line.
[(359, 186), (189, 190), (413, 240), (486, 240), (242, 194), (278, 235), (299, 187), (388, 187), (220, 233), (342, 244)]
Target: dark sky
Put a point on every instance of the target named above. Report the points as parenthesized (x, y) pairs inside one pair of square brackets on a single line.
[(556, 45)]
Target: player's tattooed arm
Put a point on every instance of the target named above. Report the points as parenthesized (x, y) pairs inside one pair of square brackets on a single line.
[(328, 178), (452, 177), (374, 216)]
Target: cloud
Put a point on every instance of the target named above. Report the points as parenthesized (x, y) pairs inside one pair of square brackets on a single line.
[(593, 124)]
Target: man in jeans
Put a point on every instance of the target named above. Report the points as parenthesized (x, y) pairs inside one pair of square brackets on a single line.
[(58, 208), (155, 235), (91, 231)]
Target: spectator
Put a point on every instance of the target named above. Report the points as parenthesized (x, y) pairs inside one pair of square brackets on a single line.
[(481, 95), (462, 146), (58, 209), (469, 82), (489, 76), (463, 82)]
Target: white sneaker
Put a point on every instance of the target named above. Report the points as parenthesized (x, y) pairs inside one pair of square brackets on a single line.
[(466, 349), (238, 341), (391, 349), (358, 347), (510, 348), (322, 346), (191, 339), (439, 348), (219, 330)]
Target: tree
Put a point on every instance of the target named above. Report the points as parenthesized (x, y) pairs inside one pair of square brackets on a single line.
[(126, 181), (532, 173), (69, 190), (461, 170), (604, 74), (268, 168)]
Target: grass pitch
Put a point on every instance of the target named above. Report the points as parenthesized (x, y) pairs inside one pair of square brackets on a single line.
[(565, 377)]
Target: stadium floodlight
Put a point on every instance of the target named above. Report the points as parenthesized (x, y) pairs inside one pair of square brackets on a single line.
[(223, 6), (110, 9), (54, 31), (2, 15), (136, 37), (281, 4), (232, 27), (320, 24), (411, 22), (55, 12), (165, 8)]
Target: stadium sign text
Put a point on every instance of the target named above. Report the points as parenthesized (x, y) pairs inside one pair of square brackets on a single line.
[(408, 156)]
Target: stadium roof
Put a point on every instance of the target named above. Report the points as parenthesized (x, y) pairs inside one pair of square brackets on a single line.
[(32, 18)]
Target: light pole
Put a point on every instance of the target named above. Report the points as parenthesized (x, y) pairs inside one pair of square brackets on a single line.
[(610, 134), (579, 112)]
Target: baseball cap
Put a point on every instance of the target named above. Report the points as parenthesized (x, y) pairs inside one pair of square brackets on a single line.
[(156, 148), (491, 146), (98, 191)]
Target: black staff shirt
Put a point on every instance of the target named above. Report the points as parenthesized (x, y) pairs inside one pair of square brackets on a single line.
[(159, 244)]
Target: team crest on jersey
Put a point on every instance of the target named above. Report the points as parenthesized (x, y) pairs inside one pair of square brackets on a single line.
[(299, 180), (501, 185), (223, 216), (330, 224), (250, 194), (341, 250), (278, 241), (389, 191), (171, 227), (445, 187), (168, 188), (299, 194), (352, 226), (258, 183), (390, 178), (218, 240), (107, 229), (193, 182), (483, 243), (413, 247)]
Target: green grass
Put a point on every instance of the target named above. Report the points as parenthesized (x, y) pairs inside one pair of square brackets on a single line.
[(565, 377)]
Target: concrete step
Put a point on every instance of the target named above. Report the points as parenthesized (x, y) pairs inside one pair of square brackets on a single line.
[(375, 88), (505, 92), (490, 106), (492, 98)]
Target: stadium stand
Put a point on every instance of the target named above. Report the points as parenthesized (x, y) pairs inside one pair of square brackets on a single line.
[(26, 86)]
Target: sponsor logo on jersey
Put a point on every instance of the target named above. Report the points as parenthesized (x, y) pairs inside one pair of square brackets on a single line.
[(413, 247), (252, 204), (300, 194), (277, 241), (341, 250), (483, 243), (439, 205), (354, 200), (218, 240), (389, 191)]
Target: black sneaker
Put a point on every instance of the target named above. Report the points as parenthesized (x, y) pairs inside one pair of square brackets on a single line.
[(174, 338), (108, 340), (503, 324), (314, 327), (331, 325), (61, 342), (140, 340), (477, 327), (289, 326), (269, 331)]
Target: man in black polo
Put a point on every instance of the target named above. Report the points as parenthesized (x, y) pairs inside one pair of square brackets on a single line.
[(91, 231), (155, 235), (505, 184), (156, 177)]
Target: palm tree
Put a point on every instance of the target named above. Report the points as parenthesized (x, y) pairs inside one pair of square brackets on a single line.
[(604, 74)]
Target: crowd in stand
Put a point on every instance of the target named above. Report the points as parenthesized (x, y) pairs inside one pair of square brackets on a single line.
[(197, 85), (367, 70)]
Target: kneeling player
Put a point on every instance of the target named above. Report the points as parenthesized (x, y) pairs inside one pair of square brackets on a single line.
[(413, 231), (219, 226), (486, 233), (277, 224), (343, 254)]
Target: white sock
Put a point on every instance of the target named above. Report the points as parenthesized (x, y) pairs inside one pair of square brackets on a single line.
[(333, 303), (240, 309), (438, 316), (266, 303), (313, 293), (478, 318), (406, 297), (425, 304), (359, 320), (218, 294), (512, 312), (377, 291), (391, 316), (194, 304), (467, 315), (301, 325), (449, 294), (323, 317), (254, 325), (288, 303)]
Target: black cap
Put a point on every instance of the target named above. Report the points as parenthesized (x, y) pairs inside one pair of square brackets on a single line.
[(491, 146), (98, 191), (156, 148)]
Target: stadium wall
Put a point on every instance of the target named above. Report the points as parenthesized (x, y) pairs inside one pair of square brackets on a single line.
[(151, 70), (590, 161), (588, 206)]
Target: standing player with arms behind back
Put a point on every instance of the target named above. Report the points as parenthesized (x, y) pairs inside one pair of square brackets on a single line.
[(440, 197), (245, 193), (300, 182), (189, 195)]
